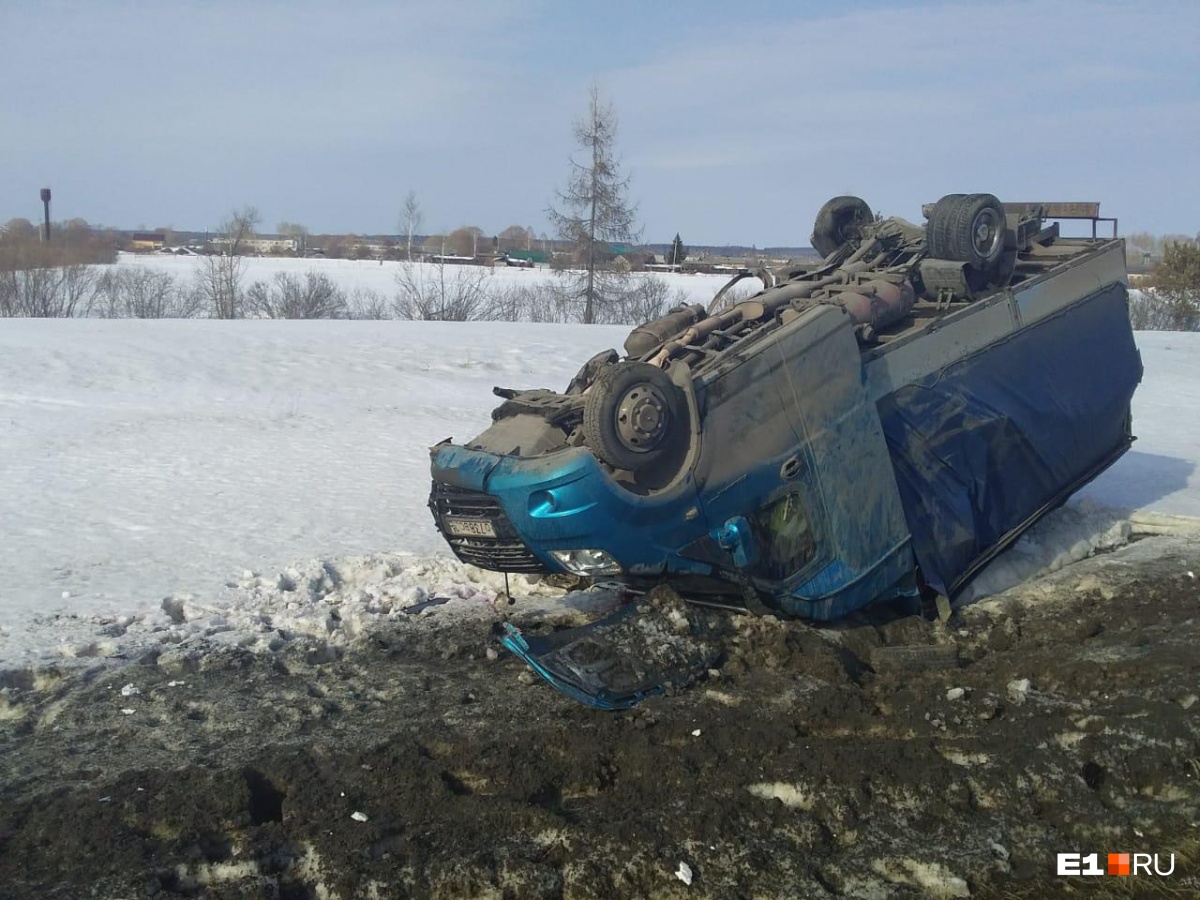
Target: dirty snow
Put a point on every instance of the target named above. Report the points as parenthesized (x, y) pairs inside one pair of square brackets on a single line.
[(248, 481)]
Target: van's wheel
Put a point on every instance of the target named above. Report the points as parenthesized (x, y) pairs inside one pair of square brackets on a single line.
[(968, 228), (634, 416), (840, 221)]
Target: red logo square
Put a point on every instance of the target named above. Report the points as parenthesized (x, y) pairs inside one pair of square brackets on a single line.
[(1118, 864)]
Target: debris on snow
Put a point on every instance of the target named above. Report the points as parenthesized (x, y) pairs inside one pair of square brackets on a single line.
[(793, 796), (932, 878), (684, 873), (1018, 691)]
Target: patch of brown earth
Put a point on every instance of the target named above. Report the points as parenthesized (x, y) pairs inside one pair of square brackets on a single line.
[(415, 766)]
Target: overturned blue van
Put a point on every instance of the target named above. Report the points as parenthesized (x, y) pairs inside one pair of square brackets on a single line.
[(888, 418)]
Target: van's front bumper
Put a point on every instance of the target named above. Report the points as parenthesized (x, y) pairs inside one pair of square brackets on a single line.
[(526, 510)]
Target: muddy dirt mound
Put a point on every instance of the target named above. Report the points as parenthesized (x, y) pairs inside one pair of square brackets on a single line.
[(421, 762)]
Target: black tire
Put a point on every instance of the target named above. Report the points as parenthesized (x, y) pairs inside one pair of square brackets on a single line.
[(941, 221), (968, 228), (634, 416), (839, 222)]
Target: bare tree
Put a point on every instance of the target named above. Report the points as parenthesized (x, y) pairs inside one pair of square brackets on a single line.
[(288, 297), (240, 225), (465, 241), (219, 278), (443, 293), (143, 294), (410, 221), (648, 298), (365, 303), (54, 278), (595, 211), (19, 230), (46, 291), (297, 232), (533, 301), (515, 237), (434, 244)]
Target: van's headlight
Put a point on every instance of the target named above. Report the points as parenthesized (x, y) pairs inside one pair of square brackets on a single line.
[(586, 562)]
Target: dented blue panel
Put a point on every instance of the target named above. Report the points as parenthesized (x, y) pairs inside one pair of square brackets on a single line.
[(986, 446), (795, 421)]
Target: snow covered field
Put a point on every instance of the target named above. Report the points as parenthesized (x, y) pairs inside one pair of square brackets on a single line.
[(199, 460), (370, 275)]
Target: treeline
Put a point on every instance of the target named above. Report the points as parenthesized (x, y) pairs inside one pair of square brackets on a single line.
[(1170, 298), (218, 289), (65, 277), (72, 243), (51, 278)]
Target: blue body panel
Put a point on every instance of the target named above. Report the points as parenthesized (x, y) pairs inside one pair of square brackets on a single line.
[(827, 427), (987, 445), (566, 501), (802, 396)]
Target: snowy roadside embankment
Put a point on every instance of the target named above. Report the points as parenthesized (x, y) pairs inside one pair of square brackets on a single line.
[(143, 460), (331, 604), (327, 604)]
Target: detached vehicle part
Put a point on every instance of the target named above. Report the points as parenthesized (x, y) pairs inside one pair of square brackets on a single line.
[(896, 414)]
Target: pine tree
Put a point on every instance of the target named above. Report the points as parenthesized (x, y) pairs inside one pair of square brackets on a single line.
[(678, 252), (593, 212), (1176, 281)]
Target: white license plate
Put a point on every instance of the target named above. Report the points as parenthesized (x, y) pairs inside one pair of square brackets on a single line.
[(469, 527)]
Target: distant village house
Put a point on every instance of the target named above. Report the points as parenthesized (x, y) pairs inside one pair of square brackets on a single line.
[(265, 244), (146, 241)]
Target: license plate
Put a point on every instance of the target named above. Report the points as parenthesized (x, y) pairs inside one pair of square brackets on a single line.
[(469, 527)]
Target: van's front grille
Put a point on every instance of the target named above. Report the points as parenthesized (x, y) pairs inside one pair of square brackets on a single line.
[(495, 544)]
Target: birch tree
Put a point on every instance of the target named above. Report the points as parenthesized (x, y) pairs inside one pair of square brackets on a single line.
[(410, 221), (219, 277)]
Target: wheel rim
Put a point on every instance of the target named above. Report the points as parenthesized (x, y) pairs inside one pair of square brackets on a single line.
[(641, 418), (850, 228), (986, 233)]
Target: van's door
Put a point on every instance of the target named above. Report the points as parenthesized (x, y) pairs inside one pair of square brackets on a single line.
[(794, 455)]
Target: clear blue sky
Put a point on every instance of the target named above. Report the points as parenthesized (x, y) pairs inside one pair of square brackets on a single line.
[(737, 120)]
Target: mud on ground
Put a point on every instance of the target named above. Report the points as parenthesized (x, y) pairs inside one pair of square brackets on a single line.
[(805, 765)]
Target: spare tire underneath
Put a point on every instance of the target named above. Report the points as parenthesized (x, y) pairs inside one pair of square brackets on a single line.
[(839, 222), (969, 228)]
